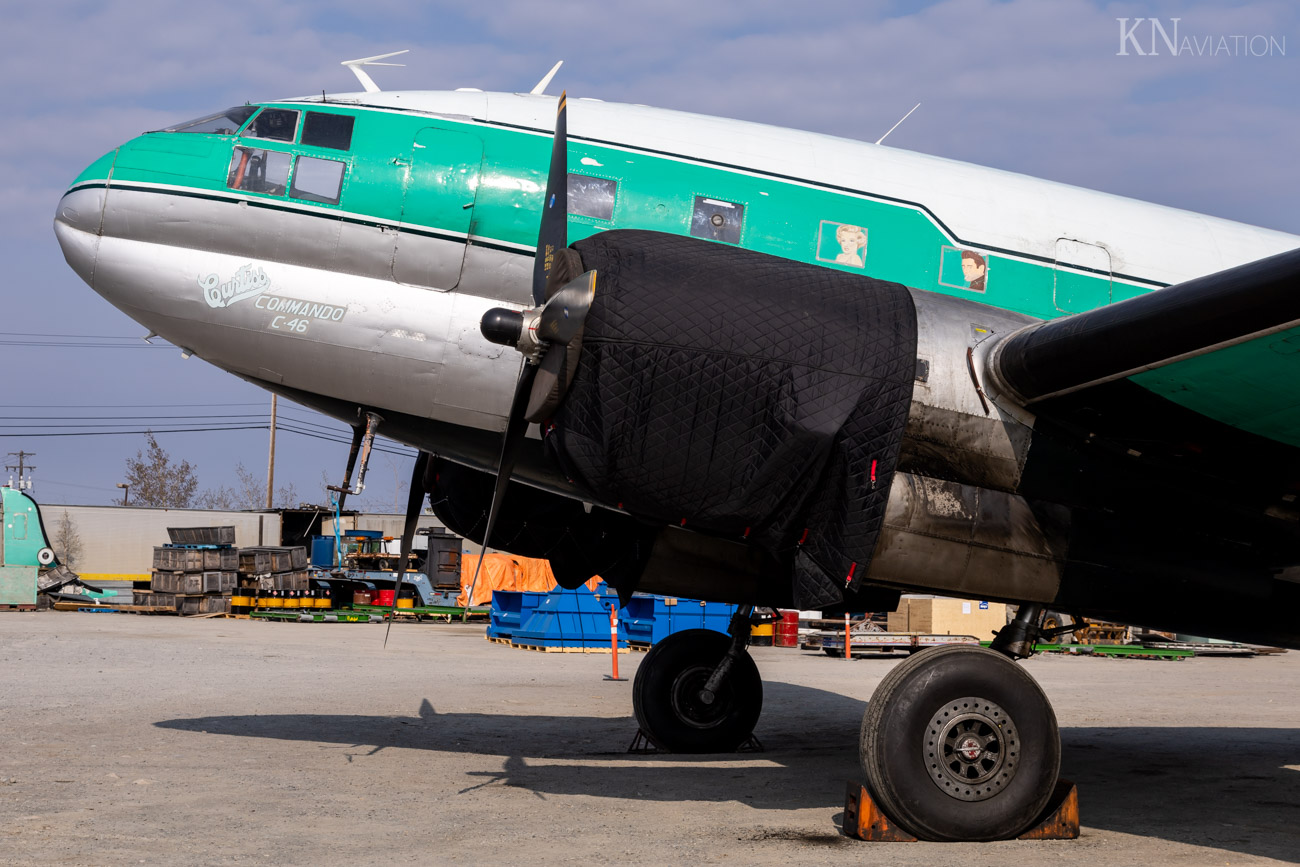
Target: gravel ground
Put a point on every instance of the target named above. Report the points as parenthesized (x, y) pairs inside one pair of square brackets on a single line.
[(157, 740)]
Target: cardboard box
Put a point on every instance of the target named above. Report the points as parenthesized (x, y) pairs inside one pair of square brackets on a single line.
[(940, 615)]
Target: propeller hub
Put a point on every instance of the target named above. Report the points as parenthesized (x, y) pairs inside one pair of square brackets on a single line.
[(517, 328), (502, 326)]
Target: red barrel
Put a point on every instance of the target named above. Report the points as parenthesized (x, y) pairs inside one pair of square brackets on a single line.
[(384, 598), (787, 629)]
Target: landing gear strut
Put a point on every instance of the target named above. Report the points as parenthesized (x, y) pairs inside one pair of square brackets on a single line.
[(960, 743), (698, 691)]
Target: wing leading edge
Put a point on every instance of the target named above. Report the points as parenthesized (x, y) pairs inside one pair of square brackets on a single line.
[(1203, 376)]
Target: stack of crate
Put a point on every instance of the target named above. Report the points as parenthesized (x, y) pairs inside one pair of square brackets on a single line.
[(273, 569), (196, 573)]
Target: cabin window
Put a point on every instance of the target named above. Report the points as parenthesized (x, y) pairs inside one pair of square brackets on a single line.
[(317, 180), (324, 130), (227, 122), (280, 124), (592, 197), (717, 220), (253, 170)]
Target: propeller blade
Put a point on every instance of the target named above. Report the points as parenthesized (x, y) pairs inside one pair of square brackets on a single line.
[(511, 443), (414, 504), (507, 327), (554, 233), (563, 316)]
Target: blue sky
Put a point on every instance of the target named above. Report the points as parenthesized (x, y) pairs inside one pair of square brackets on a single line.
[(1031, 87)]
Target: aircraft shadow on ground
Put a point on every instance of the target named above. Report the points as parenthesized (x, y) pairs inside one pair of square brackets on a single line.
[(1223, 788)]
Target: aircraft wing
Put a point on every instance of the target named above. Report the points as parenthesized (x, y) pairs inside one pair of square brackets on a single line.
[(1202, 377)]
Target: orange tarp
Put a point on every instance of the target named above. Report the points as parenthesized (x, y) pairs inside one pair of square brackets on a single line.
[(505, 572)]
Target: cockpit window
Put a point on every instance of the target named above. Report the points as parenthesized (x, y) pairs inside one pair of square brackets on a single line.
[(280, 124), (328, 130), (258, 171), (227, 122)]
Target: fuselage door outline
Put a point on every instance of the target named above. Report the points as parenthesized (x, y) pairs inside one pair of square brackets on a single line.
[(439, 194)]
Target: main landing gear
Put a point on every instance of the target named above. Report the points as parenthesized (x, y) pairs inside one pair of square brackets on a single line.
[(960, 743), (698, 691)]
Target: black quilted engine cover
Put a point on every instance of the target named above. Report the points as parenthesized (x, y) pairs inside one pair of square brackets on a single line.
[(741, 395)]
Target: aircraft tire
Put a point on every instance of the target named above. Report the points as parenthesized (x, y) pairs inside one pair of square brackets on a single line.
[(665, 695), (952, 698)]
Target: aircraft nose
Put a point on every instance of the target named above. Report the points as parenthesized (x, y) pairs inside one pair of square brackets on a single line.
[(76, 225)]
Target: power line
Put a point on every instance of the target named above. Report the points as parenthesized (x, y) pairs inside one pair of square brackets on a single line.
[(327, 436), (89, 336), (108, 433), (45, 344), (80, 425), (59, 484), (121, 405), (105, 417)]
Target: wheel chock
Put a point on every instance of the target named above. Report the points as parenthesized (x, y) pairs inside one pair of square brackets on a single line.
[(864, 819), (1060, 819)]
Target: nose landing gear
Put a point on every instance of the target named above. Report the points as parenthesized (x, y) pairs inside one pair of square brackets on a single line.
[(698, 691)]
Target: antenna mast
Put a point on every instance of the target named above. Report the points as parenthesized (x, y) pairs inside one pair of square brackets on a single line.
[(366, 81), (900, 123)]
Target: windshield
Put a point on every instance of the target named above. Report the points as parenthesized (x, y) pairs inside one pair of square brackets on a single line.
[(225, 123)]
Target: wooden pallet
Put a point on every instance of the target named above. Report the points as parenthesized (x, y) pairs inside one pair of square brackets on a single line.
[(19, 607), (125, 609), (543, 648)]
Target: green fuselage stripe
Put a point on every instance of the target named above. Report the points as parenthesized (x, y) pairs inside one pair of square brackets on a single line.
[(784, 215)]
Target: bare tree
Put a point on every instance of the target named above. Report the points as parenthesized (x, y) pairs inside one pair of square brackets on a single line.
[(247, 494), (67, 542), (221, 498), (155, 480), (399, 486), (250, 491)]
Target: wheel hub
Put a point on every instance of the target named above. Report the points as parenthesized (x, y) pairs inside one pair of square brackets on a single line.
[(690, 707), (971, 749)]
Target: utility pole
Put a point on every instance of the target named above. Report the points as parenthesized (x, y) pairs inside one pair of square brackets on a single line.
[(270, 462), (23, 468)]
